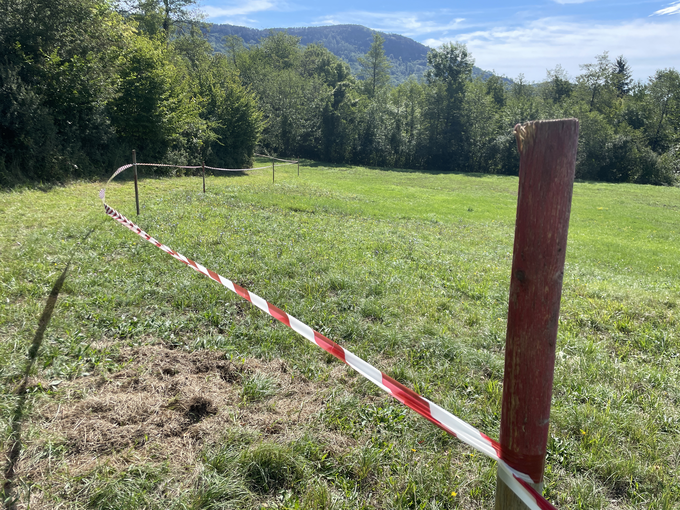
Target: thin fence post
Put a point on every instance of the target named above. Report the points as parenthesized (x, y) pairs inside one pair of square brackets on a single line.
[(272, 170), (546, 178), (134, 166), (203, 168)]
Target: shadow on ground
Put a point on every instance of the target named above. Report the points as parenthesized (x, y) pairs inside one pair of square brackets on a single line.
[(14, 450), (14, 441), (321, 164)]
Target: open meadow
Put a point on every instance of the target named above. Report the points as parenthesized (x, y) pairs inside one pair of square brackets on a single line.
[(153, 387)]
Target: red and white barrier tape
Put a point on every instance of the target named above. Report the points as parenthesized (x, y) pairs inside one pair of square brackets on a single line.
[(189, 167), (518, 482)]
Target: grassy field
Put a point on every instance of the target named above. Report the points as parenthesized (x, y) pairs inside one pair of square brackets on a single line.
[(153, 387)]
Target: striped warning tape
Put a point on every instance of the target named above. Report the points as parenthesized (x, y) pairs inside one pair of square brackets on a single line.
[(518, 482), (102, 192)]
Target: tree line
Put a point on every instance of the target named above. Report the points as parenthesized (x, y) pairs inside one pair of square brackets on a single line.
[(82, 82), (314, 107)]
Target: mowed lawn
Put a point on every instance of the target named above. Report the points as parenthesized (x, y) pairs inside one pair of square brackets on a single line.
[(154, 387)]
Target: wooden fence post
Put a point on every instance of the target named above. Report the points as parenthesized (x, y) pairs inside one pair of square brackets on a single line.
[(546, 178), (203, 167), (134, 166)]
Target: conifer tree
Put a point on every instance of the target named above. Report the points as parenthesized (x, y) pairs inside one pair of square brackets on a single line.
[(375, 67)]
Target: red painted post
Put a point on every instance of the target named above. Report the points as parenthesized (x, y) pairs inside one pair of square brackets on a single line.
[(546, 179)]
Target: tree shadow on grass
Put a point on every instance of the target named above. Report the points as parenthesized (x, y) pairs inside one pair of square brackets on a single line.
[(14, 440), (321, 164), (14, 449), (226, 175)]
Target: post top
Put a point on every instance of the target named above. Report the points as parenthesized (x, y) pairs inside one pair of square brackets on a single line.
[(525, 134)]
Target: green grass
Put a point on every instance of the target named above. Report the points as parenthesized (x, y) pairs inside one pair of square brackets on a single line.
[(258, 387), (409, 270)]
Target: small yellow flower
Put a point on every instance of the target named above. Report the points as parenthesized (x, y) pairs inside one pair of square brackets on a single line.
[(413, 449), (453, 494), (583, 432)]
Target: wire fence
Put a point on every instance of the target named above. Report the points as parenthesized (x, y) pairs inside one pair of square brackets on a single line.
[(518, 482)]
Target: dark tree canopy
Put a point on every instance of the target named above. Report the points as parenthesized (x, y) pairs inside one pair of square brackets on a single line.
[(450, 63), (623, 76)]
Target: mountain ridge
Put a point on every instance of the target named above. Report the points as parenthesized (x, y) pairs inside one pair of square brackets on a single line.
[(407, 56)]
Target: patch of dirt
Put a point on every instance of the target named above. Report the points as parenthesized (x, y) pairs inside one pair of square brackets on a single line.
[(166, 405)]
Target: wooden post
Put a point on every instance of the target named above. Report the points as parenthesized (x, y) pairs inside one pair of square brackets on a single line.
[(134, 165), (546, 178), (272, 170), (203, 167)]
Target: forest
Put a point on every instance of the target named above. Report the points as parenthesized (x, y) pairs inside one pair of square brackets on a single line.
[(83, 82)]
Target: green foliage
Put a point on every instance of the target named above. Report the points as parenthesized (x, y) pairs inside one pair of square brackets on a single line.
[(557, 86), (234, 46), (258, 387), (280, 50), (596, 86), (452, 122), (347, 42), (623, 76), (318, 61), (155, 104), (231, 121), (83, 84), (374, 68), (450, 64), (60, 62), (664, 92), (495, 87), (444, 99), (165, 18)]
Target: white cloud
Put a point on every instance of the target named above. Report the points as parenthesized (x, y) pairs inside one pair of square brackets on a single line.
[(410, 24), (239, 9), (544, 43), (674, 8)]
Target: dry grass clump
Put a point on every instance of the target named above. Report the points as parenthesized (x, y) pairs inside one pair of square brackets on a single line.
[(164, 407)]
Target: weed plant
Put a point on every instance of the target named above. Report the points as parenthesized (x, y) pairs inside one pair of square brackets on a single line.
[(408, 270)]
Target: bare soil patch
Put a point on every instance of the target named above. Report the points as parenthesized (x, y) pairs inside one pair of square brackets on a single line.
[(165, 406)]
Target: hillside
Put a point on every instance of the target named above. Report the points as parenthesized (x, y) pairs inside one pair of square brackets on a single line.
[(347, 42)]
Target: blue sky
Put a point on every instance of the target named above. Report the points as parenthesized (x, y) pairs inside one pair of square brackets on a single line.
[(509, 37)]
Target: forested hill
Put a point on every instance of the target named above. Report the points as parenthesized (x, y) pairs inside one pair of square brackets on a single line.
[(348, 42)]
